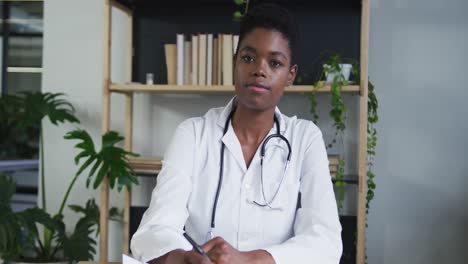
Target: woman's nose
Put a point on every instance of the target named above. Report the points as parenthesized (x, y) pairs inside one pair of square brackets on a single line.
[(260, 70)]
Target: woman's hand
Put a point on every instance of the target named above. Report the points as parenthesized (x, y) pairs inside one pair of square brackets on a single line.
[(221, 252), (176, 256)]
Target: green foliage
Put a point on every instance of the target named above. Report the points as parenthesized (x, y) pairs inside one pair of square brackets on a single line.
[(80, 244), (19, 231), (340, 184), (338, 109), (10, 236), (17, 141), (38, 105), (110, 160), (238, 15), (338, 114), (372, 119), (313, 105)]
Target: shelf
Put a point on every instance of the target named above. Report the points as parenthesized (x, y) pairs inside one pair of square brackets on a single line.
[(150, 167), (145, 165), (165, 88)]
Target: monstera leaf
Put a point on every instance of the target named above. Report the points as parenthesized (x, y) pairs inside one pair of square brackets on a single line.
[(79, 246), (110, 159), (38, 105)]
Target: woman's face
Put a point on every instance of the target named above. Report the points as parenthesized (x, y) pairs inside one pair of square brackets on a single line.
[(262, 69)]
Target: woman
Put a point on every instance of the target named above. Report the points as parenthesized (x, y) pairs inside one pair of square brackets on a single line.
[(276, 209)]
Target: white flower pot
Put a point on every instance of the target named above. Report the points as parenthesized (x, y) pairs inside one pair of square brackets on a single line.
[(345, 70)]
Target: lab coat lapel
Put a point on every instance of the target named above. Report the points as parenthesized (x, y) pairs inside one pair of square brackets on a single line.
[(234, 148)]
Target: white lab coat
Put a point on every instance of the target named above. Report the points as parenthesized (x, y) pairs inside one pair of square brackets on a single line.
[(186, 187)]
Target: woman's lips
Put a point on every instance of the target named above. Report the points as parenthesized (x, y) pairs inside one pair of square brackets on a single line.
[(258, 88)]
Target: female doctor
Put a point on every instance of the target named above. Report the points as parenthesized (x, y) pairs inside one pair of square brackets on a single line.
[(247, 183)]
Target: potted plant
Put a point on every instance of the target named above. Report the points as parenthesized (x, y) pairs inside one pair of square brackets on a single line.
[(20, 237)]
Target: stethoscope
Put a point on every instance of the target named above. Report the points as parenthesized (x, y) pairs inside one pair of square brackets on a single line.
[(262, 155)]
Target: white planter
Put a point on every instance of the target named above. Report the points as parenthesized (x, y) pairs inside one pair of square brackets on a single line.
[(345, 70)]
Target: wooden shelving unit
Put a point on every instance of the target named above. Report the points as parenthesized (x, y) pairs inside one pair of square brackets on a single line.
[(164, 88), (154, 165)]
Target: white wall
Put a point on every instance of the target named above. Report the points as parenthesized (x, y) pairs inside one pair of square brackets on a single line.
[(73, 55), (418, 53)]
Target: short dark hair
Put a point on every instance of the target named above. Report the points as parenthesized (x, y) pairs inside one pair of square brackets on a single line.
[(272, 17)]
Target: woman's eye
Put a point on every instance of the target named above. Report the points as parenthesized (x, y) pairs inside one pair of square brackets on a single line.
[(247, 58), (275, 64)]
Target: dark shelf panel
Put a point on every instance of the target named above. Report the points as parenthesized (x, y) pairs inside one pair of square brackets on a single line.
[(136, 4), (147, 174), (324, 27)]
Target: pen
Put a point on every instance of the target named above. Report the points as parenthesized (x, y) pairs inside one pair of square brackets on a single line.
[(196, 247)]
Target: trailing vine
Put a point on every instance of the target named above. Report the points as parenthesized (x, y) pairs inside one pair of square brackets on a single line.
[(338, 115), (372, 119), (340, 184)]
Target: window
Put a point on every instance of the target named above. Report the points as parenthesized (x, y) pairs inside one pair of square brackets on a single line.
[(21, 44)]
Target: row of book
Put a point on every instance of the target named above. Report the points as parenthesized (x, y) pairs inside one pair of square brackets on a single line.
[(334, 161), (201, 59), (145, 164)]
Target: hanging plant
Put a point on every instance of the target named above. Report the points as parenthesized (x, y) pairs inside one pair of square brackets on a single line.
[(372, 119), (338, 114), (333, 73)]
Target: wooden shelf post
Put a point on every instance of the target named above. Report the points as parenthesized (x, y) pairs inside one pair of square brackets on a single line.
[(362, 151), (105, 126)]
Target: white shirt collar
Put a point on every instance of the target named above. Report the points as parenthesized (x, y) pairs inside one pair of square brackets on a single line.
[(227, 110)]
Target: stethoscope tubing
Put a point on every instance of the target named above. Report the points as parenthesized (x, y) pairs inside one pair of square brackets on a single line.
[(262, 155)]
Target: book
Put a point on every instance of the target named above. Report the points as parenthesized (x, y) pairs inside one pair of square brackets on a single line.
[(215, 61), (194, 60), (227, 60), (170, 51), (187, 62), (139, 164), (202, 59), (209, 59), (180, 59), (334, 159), (220, 60), (235, 42)]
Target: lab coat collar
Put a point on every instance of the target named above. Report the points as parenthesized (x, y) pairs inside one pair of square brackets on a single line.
[(227, 110)]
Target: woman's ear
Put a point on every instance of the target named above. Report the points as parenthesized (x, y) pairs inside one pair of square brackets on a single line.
[(292, 74)]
